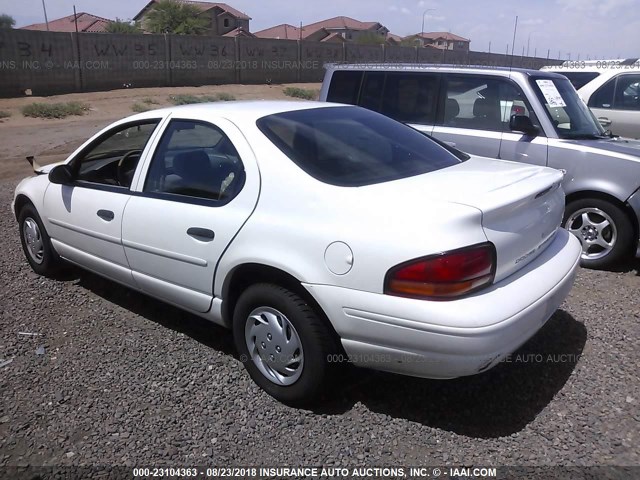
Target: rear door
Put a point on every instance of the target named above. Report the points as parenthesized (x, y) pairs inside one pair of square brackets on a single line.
[(470, 114), (199, 188)]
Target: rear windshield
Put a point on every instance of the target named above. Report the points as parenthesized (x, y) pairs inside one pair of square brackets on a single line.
[(352, 146), (579, 79)]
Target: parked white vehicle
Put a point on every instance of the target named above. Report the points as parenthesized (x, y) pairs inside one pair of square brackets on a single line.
[(313, 230), (611, 89)]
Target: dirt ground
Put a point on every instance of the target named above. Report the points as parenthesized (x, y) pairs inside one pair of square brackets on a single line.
[(51, 140)]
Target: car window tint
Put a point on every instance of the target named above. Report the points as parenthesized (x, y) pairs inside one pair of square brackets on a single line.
[(371, 92), (349, 146), (410, 98), (112, 160), (195, 159), (345, 86), (603, 97), (579, 79), (472, 102), (627, 96)]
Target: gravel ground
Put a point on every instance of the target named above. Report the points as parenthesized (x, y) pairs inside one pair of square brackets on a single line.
[(127, 380)]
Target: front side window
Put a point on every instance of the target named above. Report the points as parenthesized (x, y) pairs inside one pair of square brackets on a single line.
[(627, 95), (195, 159), (113, 158), (350, 146), (569, 115), (514, 102)]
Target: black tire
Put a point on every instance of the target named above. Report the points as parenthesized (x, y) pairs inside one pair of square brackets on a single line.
[(50, 262), (316, 340), (621, 224)]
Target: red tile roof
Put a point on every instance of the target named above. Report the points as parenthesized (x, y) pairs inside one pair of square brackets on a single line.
[(334, 36), (86, 23), (238, 32), (286, 31), (394, 37), (342, 22), (442, 35), (203, 6), (283, 31)]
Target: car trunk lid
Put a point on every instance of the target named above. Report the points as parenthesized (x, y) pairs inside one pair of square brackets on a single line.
[(521, 205)]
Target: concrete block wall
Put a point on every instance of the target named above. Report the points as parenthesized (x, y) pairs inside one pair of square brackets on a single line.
[(45, 64), (48, 63)]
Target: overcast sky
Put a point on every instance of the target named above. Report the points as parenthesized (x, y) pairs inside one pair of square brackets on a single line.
[(595, 28)]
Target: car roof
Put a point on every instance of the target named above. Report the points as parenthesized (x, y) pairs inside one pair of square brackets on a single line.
[(245, 110), (444, 68)]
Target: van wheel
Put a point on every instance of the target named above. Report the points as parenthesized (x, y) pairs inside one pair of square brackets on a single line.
[(36, 243), (283, 344), (604, 230)]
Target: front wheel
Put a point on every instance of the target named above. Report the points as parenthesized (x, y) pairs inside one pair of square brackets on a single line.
[(283, 344), (604, 230), (36, 243)]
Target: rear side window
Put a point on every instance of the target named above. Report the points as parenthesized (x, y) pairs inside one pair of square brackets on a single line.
[(579, 79), (195, 159), (350, 146), (371, 92), (344, 87), (411, 98)]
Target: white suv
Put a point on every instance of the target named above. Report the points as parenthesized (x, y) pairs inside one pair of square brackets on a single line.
[(611, 88)]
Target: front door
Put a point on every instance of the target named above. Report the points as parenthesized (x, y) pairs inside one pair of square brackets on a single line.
[(84, 220), (516, 146)]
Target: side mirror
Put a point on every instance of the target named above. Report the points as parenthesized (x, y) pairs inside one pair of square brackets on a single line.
[(61, 175), (522, 123)]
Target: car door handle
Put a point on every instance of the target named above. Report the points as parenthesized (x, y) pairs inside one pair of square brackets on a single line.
[(107, 215), (604, 121), (202, 234)]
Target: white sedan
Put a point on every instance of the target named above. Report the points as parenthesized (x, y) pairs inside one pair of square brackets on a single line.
[(317, 232)]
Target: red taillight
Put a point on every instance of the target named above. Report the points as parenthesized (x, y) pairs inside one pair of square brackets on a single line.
[(442, 276)]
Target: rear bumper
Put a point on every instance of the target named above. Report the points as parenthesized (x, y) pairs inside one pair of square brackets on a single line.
[(457, 338)]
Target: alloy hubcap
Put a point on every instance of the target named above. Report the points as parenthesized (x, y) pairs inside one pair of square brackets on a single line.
[(596, 231), (274, 345), (33, 240)]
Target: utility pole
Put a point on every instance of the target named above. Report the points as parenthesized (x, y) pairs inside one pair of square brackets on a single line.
[(75, 18), (46, 20), (422, 29)]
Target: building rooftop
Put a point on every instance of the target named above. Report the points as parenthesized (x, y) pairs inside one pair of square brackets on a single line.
[(86, 23)]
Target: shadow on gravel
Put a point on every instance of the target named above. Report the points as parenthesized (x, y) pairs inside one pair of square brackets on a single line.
[(199, 329), (630, 266), (494, 404), (497, 403)]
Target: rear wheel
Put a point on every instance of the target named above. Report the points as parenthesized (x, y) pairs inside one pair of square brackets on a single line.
[(36, 243), (604, 230), (283, 344)]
